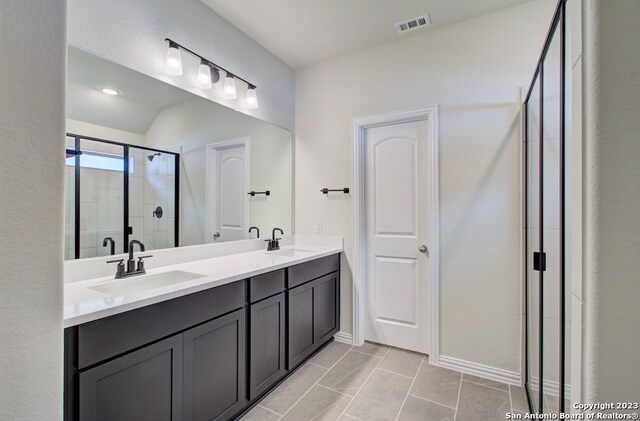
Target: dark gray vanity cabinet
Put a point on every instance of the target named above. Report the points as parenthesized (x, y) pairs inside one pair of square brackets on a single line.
[(181, 359), (313, 312), (207, 356), (267, 318), (214, 381), (138, 386), (267, 359)]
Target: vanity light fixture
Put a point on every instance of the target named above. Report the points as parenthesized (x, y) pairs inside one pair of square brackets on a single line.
[(229, 90), (173, 63), (252, 98), (208, 74), (203, 80), (109, 91)]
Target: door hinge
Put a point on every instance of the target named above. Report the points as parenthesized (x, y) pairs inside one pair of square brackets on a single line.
[(539, 261)]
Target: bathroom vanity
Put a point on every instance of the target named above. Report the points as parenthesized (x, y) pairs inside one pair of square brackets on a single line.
[(206, 348)]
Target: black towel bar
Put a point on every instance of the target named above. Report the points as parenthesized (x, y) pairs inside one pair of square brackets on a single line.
[(344, 190)]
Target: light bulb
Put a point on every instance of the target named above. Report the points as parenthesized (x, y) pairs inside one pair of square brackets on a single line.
[(203, 80), (109, 91), (229, 90), (173, 64), (252, 98)]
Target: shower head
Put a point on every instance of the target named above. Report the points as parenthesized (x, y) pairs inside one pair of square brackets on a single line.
[(150, 157)]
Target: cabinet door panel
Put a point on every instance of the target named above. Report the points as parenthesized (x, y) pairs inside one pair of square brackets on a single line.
[(214, 368), (300, 318), (136, 386), (326, 309), (267, 344)]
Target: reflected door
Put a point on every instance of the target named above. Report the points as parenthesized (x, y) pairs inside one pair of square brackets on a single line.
[(230, 194), (396, 229)]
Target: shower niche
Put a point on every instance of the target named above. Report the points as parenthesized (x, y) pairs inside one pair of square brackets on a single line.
[(116, 193)]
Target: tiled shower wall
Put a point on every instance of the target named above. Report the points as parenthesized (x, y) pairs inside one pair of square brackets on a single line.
[(151, 184), (159, 190)]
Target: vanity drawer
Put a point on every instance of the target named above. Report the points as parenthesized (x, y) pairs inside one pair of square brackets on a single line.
[(305, 272), (266, 285), (106, 338)]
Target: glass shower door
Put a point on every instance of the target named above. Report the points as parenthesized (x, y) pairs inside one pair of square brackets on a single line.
[(547, 228), (152, 198), (101, 198), (532, 232)]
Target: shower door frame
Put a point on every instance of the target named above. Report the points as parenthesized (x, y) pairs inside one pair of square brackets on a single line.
[(558, 23), (125, 230)]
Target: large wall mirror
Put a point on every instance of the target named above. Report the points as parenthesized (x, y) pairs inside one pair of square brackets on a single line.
[(151, 162)]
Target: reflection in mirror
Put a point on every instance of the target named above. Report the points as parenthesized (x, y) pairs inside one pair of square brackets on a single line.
[(222, 155)]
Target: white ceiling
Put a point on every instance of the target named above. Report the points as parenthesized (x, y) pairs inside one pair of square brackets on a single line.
[(302, 32)]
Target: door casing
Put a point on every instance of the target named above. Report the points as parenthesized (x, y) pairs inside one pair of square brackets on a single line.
[(432, 216)]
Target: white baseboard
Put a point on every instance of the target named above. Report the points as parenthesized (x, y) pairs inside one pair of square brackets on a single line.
[(480, 370), (551, 387), (345, 338)]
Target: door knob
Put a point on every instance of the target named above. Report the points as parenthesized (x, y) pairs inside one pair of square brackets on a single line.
[(423, 249)]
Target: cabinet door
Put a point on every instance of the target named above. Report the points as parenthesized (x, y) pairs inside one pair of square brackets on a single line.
[(214, 368), (300, 321), (142, 385), (326, 309), (267, 344)]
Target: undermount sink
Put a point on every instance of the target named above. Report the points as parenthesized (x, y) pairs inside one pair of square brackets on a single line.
[(144, 282), (290, 252)]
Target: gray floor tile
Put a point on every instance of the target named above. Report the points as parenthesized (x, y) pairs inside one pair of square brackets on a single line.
[(346, 417), (331, 354), (320, 404), (350, 373), (482, 403), (437, 385), (381, 398), (485, 382), (519, 399), (259, 413), (401, 362), (285, 395), (372, 349), (416, 409), (552, 404)]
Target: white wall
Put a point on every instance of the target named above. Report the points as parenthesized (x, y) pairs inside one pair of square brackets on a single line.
[(132, 33), (31, 209), (103, 132), (473, 71), (195, 124), (611, 201)]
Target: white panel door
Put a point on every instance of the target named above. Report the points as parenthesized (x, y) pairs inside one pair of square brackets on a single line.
[(396, 200), (230, 188)]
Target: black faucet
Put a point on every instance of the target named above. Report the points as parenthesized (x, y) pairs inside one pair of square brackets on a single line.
[(257, 231), (131, 264), (113, 245), (274, 243)]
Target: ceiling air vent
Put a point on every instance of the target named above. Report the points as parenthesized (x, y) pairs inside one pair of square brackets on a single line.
[(414, 23)]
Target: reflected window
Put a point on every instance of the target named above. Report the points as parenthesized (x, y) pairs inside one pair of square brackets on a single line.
[(102, 161)]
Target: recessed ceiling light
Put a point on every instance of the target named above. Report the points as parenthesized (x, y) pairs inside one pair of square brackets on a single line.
[(109, 91)]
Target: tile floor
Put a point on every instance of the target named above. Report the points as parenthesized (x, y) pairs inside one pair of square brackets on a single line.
[(376, 383)]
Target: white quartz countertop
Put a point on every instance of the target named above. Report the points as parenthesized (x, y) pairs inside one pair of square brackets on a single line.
[(83, 303)]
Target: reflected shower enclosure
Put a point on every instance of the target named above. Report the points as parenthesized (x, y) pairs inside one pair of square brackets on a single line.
[(115, 193)]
